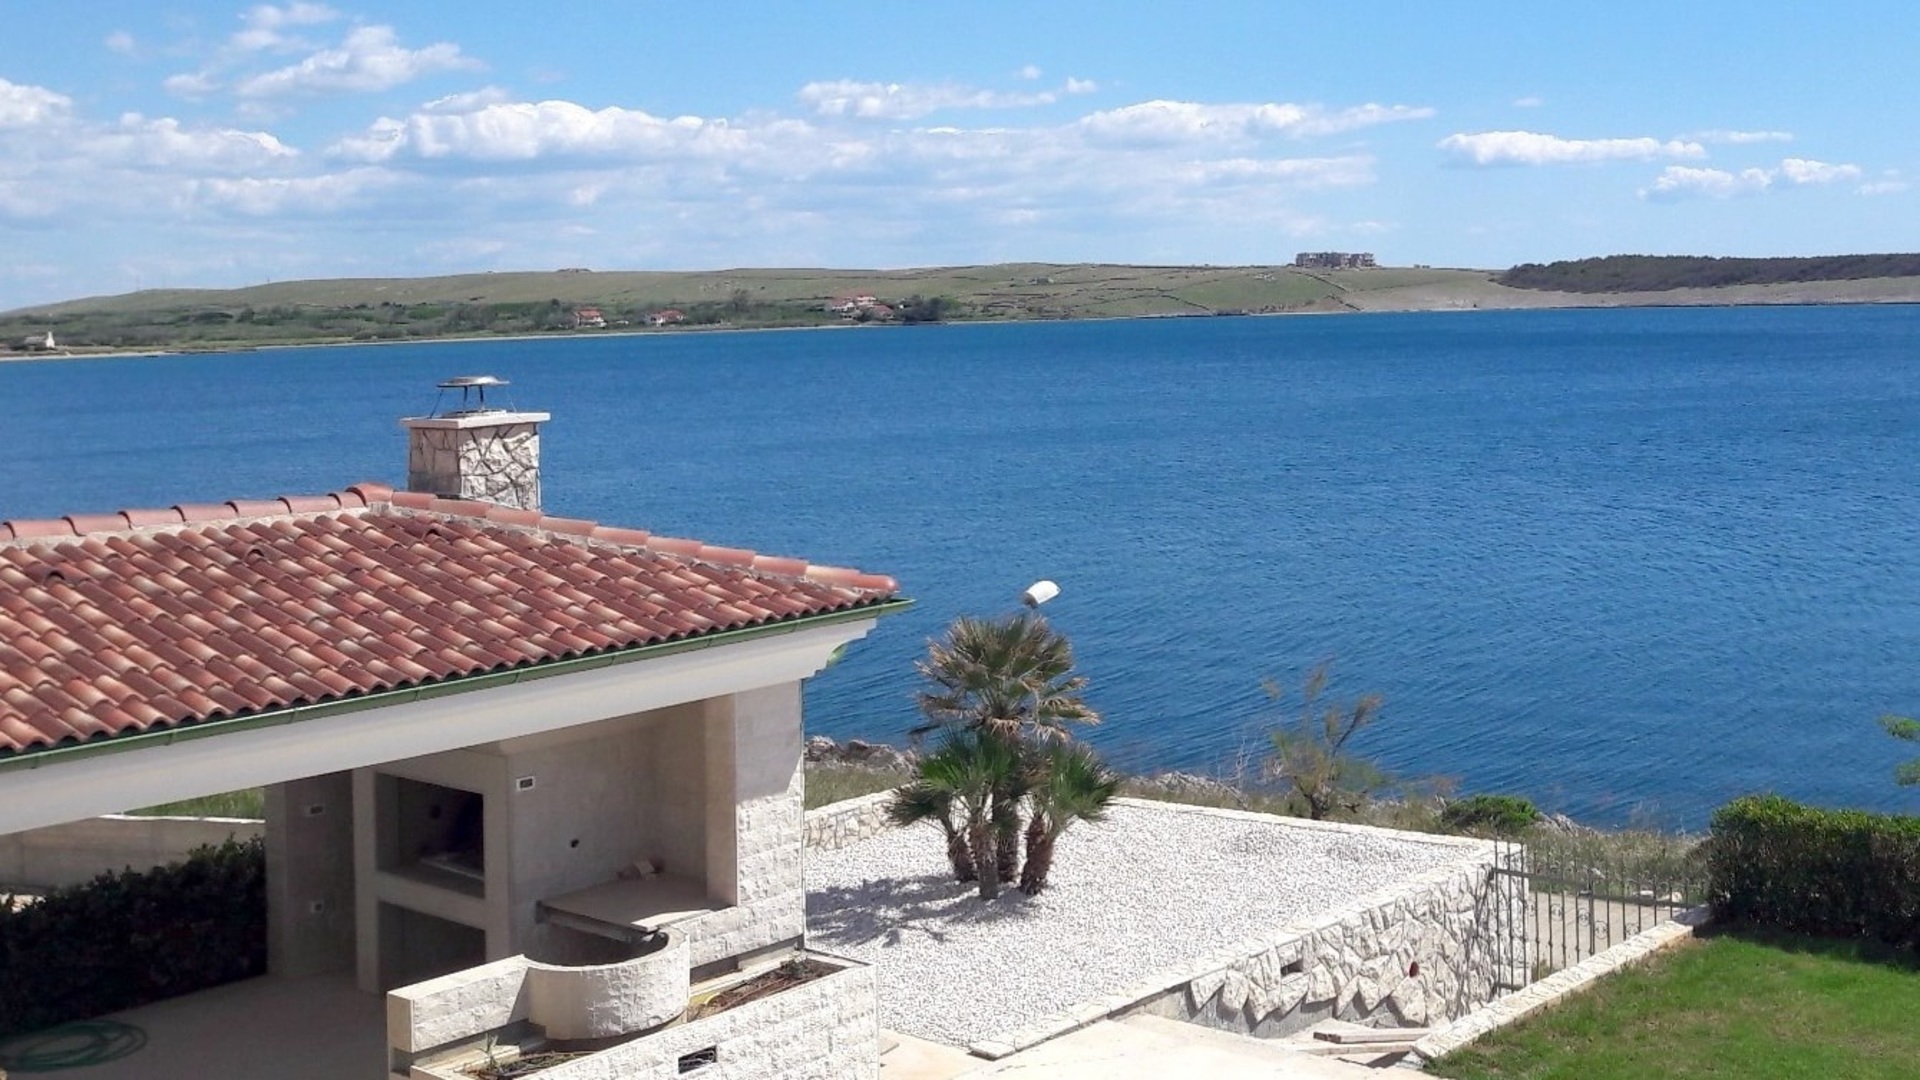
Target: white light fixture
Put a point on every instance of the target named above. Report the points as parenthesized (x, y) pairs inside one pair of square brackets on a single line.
[(1039, 593)]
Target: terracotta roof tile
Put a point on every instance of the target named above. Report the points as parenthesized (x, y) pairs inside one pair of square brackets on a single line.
[(115, 623)]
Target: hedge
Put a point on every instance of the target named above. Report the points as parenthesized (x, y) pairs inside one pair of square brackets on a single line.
[(133, 937), (1843, 873)]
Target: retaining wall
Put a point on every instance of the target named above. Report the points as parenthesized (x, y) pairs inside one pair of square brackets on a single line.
[(79, 851), (1421, 953), (832, 827)]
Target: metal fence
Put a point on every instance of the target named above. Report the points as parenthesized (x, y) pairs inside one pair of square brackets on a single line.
[(1562, 898)]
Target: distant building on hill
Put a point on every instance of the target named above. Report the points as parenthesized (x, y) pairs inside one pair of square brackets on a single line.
[(1334, 260)]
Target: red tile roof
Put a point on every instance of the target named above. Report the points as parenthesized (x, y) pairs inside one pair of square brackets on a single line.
[(118, 623)]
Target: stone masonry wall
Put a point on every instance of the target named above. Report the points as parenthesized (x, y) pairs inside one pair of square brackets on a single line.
[(496, 464), (767, 802), (1427, 954), (830, 828), (828, 1029)]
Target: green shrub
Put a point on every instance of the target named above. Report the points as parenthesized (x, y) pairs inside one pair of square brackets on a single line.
[(1845, 873), (1503, 815), (134, 937)]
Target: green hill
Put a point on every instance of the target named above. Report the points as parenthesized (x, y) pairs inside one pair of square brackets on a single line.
[(376, 309)]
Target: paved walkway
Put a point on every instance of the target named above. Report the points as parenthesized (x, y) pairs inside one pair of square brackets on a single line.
[(320, 1028), (1138, 1048)]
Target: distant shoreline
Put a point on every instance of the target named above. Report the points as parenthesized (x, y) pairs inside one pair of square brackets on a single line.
[(1447, 294)]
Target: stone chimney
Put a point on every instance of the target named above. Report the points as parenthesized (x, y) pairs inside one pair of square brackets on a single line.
[(476, 452)]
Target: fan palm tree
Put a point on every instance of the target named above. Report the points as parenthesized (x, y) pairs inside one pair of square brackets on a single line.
[(1073, 785), (1009, 679), (1012, 676), (920, 801), (963, 781)]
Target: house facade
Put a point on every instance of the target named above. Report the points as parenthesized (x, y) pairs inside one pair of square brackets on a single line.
[(487, 734)]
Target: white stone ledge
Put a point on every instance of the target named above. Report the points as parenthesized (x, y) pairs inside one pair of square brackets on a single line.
[(1560, 985)]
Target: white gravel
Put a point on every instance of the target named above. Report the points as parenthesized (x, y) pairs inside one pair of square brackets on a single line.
[(1149, 890)]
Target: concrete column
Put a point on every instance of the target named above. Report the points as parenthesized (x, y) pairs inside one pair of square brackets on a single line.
[(310, 875), (723, 852)]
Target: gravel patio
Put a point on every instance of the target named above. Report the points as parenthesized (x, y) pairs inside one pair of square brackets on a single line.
[(1149, 890)]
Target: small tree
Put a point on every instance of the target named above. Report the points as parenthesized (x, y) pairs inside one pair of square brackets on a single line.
[(1904, 727), (1310, 756), (1070, 784), (1002, 691)]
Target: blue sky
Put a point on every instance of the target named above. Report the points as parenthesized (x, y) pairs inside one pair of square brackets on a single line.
[(157, 143)]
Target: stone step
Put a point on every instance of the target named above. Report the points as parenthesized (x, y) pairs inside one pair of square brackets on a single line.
[(1347, 1032), (1270, 1052)]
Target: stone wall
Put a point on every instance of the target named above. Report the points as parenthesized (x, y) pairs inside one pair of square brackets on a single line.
[(1422, 955), (496, 463), (827, 1029), (830, 828)]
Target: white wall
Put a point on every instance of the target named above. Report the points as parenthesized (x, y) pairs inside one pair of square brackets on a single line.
[(80, 851)]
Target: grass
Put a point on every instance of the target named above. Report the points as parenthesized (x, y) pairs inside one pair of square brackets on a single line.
[(831, 782), (1746, 1004), (246, 803)]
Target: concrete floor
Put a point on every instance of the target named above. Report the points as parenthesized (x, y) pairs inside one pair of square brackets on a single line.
[(1137, 1048), (324, 1028), (320, 1028)]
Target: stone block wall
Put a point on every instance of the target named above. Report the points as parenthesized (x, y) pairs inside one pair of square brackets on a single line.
[(830, 828), (497, 463), (1429, 952), (828, 1029), (757, 790)]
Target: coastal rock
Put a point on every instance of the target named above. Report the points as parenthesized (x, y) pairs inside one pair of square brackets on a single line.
[(876, 756), (1188, 787)]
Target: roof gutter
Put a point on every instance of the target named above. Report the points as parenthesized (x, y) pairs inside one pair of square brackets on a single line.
[(34, 759)]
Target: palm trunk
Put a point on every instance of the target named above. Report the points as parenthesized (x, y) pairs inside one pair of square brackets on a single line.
[(959, 855), (987, 866), (1039, 865), (1033, 875), (1007, 848)]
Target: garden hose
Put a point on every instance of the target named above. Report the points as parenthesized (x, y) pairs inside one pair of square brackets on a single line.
[(70, 1046)]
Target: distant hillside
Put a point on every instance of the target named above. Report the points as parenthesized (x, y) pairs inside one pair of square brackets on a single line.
[(401, 309), (552, 302), (1659, 273)]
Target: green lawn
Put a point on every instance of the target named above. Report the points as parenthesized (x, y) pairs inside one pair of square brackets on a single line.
[(1735, 1004)]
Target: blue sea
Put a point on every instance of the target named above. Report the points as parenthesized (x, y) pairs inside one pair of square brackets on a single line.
[(1628, 562)]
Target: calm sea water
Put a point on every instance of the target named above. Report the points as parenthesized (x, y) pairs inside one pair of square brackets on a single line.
[(1623, 561)]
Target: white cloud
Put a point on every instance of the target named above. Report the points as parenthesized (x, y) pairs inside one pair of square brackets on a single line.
[(1534, 148), (1681, 181), (907, 101), (121, 42), (25, 106), (1890, 183), (467, 102), (1182, 121), (1738, 138), (163, 143), (264, 25), (269, 196), (1030, 72), (1531, 101), (369, 59), (1081, 86), (1677, 181), (192, 85), (1804, 171)]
